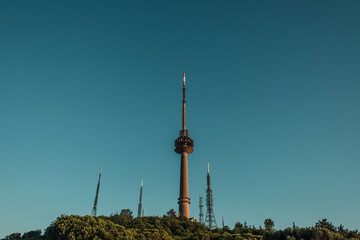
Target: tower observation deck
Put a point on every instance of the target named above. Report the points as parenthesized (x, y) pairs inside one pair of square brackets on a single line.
[(184, 146)]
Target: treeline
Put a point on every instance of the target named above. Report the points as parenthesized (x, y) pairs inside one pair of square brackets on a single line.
[(123, 226), (32, 235)]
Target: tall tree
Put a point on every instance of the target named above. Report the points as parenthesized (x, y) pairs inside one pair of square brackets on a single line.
[(171, 213), (325, 224), (126, 212), (269, 224)]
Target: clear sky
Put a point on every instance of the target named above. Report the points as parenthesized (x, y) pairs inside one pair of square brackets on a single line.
[(273, 104)]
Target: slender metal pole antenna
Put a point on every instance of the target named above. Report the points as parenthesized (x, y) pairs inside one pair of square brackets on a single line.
[(93, 213), (201, 215), (140, 204)]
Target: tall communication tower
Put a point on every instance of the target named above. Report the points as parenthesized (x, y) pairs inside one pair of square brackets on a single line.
[(201, 215), (210, 216), (184, 146), (93, 213), (140, 205)]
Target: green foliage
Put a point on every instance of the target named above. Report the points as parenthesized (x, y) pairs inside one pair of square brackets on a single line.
[(85, 228), (269, 224), (169, 227), (325, 224), (126, 212), (13, 236), (171, 213), (31, 234), (313, 233), (35, 238)]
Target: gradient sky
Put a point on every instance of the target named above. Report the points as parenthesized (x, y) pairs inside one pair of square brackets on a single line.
[(273, 104)]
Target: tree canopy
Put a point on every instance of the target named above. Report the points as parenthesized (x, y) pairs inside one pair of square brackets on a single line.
[(168, 227)]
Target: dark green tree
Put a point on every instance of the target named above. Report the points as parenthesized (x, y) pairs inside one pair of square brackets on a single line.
[(126, 212), (269, 224), (13, 236), (84, 228), (325, 224), (226, 229), (171, 213), (33, 233)]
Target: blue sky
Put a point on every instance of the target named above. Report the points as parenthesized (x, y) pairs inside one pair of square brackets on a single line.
[(273, 104)]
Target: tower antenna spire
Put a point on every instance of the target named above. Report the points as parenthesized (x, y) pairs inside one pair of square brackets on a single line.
[(184, 105), (184, 146), (93, 213)]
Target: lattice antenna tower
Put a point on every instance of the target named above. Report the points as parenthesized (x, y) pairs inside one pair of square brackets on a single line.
[(201, 214), (210, 216), (93, 213)]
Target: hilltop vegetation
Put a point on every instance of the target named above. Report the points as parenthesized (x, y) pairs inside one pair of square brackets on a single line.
[(32, 235), (168, 227)]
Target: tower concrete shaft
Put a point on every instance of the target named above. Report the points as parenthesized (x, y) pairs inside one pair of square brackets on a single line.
[(184, 146), (93, 213), (140, 201)]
